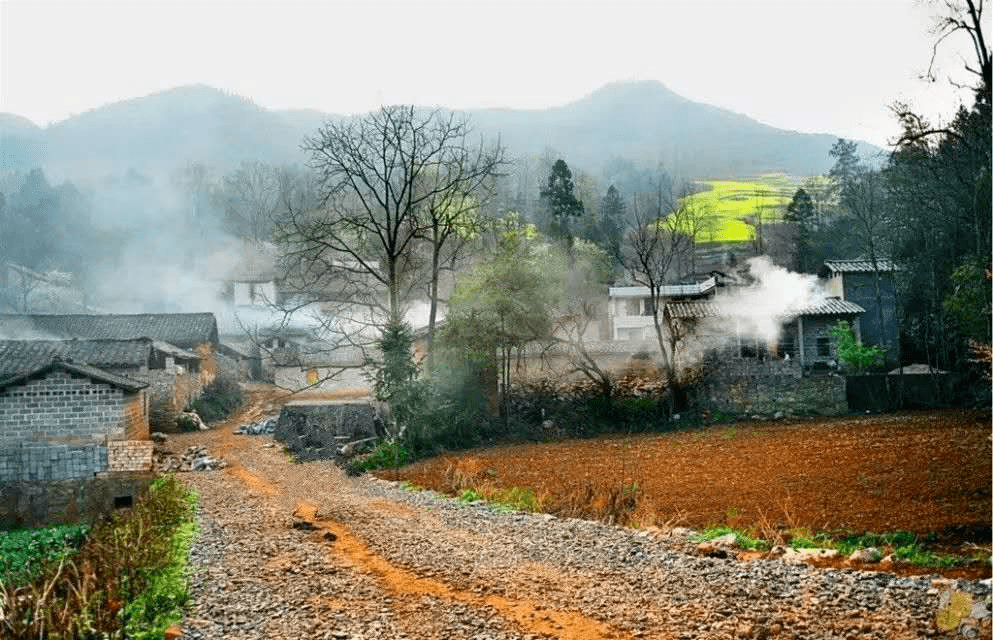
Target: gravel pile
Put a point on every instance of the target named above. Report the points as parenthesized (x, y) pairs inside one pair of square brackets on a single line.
[(384, 562)]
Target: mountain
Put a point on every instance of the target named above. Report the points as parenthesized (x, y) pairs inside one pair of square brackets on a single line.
[(643, 122), (647, 123)]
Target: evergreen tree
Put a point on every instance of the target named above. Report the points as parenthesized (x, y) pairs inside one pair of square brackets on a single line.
[(612, 215), (561, 202), (800, 211)]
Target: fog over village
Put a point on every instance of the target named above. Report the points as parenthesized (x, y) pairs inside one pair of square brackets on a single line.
[(383, 321)]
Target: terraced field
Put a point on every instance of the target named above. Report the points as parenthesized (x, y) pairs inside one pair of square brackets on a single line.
[(734, 206)]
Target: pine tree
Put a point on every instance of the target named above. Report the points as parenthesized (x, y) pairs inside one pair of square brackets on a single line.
[(560, 200)]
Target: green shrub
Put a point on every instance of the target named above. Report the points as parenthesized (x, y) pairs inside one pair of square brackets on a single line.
[(856, 357), (219, 399), (24, 552), (385, 455)]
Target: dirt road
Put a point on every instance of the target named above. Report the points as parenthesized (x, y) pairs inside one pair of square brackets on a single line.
[(301, 551)]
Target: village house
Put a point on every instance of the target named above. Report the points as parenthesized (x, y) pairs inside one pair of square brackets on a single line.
[(629, 308), (175, 354), (855, 281), (74, 440)]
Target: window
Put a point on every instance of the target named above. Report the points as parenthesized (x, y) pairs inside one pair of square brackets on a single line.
[(632, 307), (823, 347), (648, 307)]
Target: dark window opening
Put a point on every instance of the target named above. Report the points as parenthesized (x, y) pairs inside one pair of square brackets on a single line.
[(824, 347), (123, 502)]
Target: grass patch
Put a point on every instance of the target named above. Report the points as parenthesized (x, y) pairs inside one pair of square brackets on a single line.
[(904, 546), (385, 455), (743, 539), (511, 499)]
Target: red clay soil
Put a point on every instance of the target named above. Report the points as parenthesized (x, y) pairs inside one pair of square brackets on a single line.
[(926, 472)]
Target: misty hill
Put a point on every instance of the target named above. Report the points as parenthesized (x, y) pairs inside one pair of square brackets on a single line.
[(643, 122), (647, 123)]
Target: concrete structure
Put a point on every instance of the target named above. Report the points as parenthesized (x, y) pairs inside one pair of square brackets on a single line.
[(630, 308)]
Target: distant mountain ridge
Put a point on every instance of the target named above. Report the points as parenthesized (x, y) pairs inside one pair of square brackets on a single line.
[(643, 122)]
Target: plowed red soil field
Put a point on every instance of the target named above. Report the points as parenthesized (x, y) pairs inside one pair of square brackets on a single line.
[(912, 471)]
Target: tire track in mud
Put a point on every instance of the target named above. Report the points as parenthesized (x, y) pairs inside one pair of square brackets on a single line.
[(351, 549), (533, 619)]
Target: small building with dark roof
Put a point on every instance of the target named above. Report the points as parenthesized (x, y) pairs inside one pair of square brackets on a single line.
[(804, 334), (180, 350), (856, 281), (170, 373), (73, 437)]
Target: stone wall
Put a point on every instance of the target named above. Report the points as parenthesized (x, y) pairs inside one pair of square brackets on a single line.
[(40, 503), (68, 409), (40, 461), (745, 387), (315, 430)]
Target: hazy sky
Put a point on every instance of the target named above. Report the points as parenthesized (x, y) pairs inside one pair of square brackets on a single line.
[(830, 66)]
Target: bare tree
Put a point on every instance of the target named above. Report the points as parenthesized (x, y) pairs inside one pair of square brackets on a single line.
[(377, 178), (460, 182), (252, 195), (650, 253)]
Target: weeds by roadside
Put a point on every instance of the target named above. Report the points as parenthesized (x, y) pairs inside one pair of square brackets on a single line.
[(128, 579), (901, 546)]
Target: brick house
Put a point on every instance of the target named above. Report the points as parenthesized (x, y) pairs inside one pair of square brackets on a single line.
[(175, 353), (74, 442)]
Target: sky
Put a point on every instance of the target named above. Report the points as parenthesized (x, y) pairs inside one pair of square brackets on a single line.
[(820, 66)]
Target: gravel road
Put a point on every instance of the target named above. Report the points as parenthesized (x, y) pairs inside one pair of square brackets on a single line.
[(301, 551)]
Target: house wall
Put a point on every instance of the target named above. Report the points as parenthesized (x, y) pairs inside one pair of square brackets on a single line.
[(303, 377), (58, 427), (815, 330), (68, 409), (860, 288)]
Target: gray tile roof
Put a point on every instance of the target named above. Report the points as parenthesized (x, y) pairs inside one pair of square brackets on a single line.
[(828, 307), (831, 307), (186, 330), (860, 265), (84, 370), (18, 356)]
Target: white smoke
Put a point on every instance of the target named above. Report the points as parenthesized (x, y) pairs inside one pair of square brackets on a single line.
[(773, 297)]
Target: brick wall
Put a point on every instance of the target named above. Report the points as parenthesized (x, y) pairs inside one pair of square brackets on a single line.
[(40, 461), (63, 408), (129, 455), (57, 427)]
